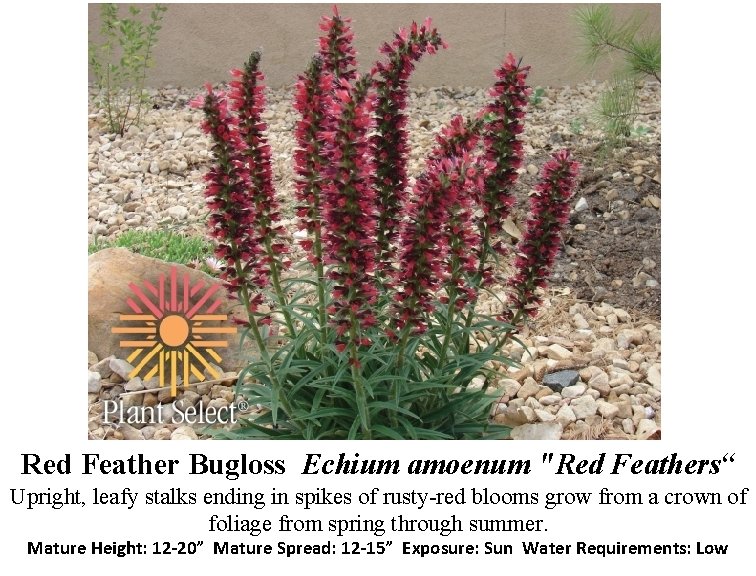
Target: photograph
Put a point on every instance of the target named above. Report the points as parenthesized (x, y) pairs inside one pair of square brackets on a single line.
[(374, 221), (367, 222)]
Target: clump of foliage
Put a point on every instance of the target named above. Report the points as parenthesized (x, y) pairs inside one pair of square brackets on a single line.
[(161, 244), (576, 126), (119, 63), (603, 36), (376, 333), (537, 96)]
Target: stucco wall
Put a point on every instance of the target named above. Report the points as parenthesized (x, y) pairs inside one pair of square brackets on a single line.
[(201, 42)]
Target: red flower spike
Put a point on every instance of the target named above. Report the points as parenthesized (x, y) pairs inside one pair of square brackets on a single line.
[(503, 150), (247, 99), (348, 200), (435, 241), (336, 50), (225, 182), (389, 145), (309, 160), (240, 195), (536, 252)]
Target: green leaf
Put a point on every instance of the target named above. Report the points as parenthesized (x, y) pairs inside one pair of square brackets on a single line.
[(387, 432)]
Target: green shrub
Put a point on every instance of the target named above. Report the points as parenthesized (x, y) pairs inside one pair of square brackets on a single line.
[(119, 64)]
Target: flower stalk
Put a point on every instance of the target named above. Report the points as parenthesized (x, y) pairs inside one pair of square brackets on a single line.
[(309, 165), (389, 143), (336, 48), (233, 221), (503, 123), (536, 252), (349, 208), (247, 100)]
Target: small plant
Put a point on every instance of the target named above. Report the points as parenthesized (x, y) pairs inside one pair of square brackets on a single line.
[(577, 126), (641, 57), (537, 96), (119, 64), (376, 333), (160, 244), (618, 108)]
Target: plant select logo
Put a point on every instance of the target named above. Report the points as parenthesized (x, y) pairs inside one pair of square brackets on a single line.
[(172, 321)]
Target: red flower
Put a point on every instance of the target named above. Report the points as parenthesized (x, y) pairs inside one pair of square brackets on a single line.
[(198, 101), (229, 220)]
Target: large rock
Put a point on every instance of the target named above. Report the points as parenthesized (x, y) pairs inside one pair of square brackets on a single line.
[(110, 273)]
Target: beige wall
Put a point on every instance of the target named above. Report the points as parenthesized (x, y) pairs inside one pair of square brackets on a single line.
[(201, 42)]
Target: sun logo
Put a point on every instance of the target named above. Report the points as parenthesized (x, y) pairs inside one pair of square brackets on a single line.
[(172, 318)]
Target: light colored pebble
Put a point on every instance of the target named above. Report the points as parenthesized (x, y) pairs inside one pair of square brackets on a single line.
[(583, 407), (573, 391)]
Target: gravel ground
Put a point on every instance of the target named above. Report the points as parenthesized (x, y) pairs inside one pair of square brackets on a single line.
[(603, 313)]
